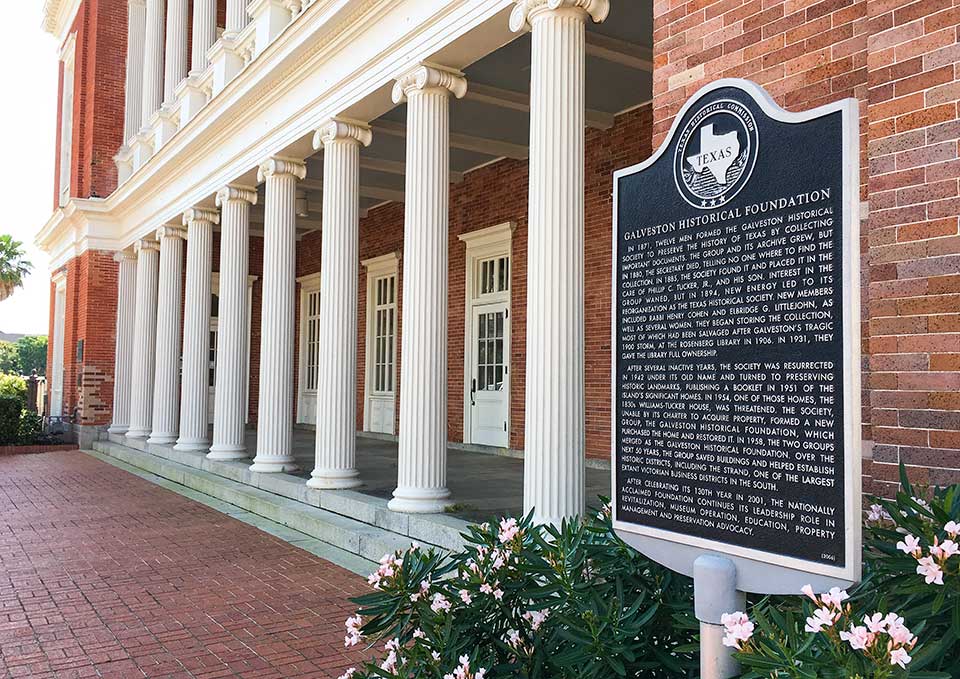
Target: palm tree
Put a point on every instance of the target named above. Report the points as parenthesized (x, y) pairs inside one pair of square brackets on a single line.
[(13, 267)]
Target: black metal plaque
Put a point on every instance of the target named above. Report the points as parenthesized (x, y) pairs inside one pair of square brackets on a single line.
[(733, 328)]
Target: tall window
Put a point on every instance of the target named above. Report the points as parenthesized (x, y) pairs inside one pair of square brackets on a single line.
[(313, 340), (384, 330), (66, 119)]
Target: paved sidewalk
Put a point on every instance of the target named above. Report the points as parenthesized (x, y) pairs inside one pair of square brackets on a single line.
[(103, 574)]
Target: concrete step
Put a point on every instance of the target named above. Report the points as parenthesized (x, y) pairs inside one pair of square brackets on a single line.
[(360, 526)]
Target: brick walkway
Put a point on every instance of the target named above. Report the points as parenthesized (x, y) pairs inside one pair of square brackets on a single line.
[(104, 574)]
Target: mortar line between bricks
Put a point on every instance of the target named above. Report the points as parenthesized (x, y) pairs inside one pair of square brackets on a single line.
[(308, 543)]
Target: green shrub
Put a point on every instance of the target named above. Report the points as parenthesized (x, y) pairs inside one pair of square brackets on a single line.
[(10, 408), (522, 601), (31, 427), (12, 385)]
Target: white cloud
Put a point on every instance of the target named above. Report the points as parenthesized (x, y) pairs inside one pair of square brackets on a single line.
[(28, 122)]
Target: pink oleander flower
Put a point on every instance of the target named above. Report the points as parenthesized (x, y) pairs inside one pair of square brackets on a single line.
[(877, 513), (948, 548), (952, 528), (463, 671), (822, 617), (859, 638), (465, 597), (435, 656), (899, 656), (508, 530), (354, 635), (498, 594), (835, 597), (930, 570), (389, 663), (439, 603), (876, 623), (808, 590), (418, 634), (737, 629), (536, 618), (349, 673), (486, 588), (910, 545), (389, 565)]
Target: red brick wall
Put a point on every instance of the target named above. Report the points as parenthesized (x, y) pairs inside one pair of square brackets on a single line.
[(89, 315), (898, 58), (98, 111)]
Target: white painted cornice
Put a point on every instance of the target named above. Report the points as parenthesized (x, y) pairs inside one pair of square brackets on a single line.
[(338, 58), (58, 17), (80, 225)]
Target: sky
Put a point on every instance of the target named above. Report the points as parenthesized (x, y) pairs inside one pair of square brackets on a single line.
[(27, 141)]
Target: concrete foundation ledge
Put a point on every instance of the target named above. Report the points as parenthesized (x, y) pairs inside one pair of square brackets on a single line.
[(350, 520)]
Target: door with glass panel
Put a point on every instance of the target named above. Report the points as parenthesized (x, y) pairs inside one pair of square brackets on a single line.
[(310, 356), (381, 364), (490, 379)]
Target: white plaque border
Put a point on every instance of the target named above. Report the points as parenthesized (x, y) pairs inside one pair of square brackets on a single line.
[(757, 570)]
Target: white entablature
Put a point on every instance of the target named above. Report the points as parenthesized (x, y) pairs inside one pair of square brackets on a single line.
[(58, 16)]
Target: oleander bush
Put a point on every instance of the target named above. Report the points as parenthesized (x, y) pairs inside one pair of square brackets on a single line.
[(526, 601), (12, 385)]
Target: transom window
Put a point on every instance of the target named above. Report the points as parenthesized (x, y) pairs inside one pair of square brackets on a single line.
[(384, 329), (493, 275), (313, 340)]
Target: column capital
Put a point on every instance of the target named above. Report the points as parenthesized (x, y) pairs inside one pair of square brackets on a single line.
[(235, 192), (136, 3), (122, 255), (278, 165), (429, 76), (522, 15), (200, 214), (146, 244), (341, 129), (171, 231)]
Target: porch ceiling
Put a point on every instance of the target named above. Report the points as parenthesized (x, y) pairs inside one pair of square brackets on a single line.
[(493, 120)]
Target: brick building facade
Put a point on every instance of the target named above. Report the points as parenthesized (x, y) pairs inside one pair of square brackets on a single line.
[(897, 58)]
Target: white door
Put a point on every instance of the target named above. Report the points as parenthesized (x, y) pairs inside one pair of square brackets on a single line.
[(490, 381), (381, 364), (309, 356)]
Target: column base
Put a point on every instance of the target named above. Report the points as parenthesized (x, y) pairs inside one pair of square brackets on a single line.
[(162, 439), (419, 500), (194, 445), (273, 465), (118, 429), (334, 479), (225, 453), (137, 433)]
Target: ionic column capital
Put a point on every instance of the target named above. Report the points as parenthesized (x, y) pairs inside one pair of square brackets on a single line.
[(429, 76), (235, 192), (146, 244), (200, 214), (280, 166), (340, 129), (123, 255), (521, 18), (171, 231)]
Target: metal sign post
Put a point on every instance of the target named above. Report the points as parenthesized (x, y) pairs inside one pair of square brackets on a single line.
[(736, 335)]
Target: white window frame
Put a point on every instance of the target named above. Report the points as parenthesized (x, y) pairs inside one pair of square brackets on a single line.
[(215, 290), (59, 337), (378, 267), (308, 284), (68, 61), (483, 244)]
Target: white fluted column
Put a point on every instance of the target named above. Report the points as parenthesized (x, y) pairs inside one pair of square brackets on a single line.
[(336, 464), (123, 354), (275, 412), (144, 339), (236, 17), (194, 381), (152, 62), (166, 386), (422, 463), (204, 33), (133, 90), (175, 51), (230, 385), (554, 448)]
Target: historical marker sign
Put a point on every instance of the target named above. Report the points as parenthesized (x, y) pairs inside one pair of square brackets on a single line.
[(736, 404)]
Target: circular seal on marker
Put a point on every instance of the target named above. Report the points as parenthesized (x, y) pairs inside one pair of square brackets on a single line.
[(715, 154)]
